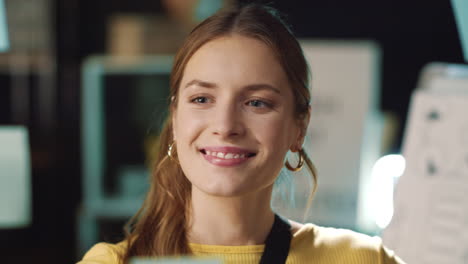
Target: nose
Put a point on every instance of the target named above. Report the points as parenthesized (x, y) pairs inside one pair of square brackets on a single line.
[(227, 121)]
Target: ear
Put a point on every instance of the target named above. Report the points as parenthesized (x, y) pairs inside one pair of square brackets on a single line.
[(302, 131)]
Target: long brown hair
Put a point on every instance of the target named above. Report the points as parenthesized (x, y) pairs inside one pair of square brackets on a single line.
[(160, 226)]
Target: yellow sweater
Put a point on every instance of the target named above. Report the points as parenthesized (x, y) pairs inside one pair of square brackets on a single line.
[(311, 244)]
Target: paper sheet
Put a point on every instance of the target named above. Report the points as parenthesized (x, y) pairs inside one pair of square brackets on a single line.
[(430, 224)]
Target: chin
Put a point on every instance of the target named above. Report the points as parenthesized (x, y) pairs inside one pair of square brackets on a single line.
[(224, 188), (229, 189), (223, 191)]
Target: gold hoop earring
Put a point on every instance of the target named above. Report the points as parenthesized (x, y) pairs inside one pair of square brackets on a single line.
[(170, 150), (300, 163)]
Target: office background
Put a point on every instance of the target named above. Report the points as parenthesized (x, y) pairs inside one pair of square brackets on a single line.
[(410, 34)]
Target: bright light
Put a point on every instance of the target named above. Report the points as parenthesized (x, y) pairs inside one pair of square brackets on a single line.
[(384, 173), (390, 166)]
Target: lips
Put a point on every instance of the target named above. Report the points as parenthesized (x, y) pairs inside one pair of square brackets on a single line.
[(227, 156)]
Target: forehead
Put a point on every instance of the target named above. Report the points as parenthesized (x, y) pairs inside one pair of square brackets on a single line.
[(236, 60)]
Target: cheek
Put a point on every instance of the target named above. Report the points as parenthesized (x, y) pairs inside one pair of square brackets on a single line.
[(275, 132), (186, 125), (274, 136), (187, 129)]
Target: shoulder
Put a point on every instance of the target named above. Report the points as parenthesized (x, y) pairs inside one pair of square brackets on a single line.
[(104, 253), (340, 245)]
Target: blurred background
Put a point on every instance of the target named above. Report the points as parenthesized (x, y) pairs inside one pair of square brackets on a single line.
[(77, 88)]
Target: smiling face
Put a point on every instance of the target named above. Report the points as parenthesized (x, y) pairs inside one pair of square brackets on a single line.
[(234, 120)]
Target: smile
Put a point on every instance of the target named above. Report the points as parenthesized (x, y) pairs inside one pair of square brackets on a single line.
[(226, 156)]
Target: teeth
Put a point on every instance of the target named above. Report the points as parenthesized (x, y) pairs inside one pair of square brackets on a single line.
[(222, 155)]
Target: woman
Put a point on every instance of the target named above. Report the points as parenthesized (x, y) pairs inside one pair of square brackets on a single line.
[(239, 103)]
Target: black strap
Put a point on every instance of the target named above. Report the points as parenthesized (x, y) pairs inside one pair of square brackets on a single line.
[(277, 243)]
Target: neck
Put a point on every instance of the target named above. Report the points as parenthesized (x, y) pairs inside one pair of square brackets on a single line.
[(230, 221)]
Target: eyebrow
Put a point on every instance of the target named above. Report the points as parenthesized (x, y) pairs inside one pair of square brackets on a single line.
[(250, 87)]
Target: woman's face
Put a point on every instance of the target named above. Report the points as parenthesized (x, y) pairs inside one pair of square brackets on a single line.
[(234, 120)]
